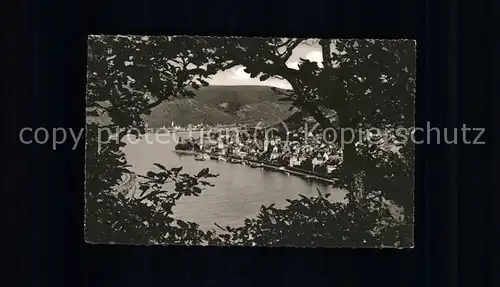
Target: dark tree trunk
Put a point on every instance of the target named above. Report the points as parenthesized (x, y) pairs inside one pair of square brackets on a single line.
[(351, 163)]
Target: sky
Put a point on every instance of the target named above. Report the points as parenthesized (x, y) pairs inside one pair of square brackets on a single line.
[(237, 76)]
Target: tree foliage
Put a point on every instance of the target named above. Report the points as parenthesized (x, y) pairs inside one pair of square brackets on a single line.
[(148, 217), (364, 221)]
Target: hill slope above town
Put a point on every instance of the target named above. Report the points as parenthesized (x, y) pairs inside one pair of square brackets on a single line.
[(222, 104)]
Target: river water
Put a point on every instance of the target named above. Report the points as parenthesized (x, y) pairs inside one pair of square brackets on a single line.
[(239, 190)]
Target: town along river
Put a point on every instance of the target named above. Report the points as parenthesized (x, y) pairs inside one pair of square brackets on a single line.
[(239, 190)]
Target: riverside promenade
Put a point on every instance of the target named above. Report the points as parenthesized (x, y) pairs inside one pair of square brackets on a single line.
[(274, 167)]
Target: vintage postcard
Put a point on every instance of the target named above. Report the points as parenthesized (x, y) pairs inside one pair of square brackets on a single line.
[(234, 141)]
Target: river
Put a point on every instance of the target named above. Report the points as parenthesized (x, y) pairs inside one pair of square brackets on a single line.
[(239, 190)]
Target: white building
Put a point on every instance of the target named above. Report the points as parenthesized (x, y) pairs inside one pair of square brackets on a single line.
[(294, 161), (325, 156), (336, 158), (273, 156), (316, 161), (266, 145)]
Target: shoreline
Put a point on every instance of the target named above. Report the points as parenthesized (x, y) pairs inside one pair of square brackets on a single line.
[(127, 184), (274, 167)]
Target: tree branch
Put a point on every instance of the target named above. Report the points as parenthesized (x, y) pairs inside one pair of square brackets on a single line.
[(153, 104), (290, 49), (231, 65), (327, 53), (280, 92)]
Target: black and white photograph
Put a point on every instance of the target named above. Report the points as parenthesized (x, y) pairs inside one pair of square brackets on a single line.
[(261, 142)]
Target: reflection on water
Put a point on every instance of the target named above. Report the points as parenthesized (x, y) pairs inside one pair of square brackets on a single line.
[(239, 190)]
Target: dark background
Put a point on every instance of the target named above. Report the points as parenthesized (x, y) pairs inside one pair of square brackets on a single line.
[(45, 79)]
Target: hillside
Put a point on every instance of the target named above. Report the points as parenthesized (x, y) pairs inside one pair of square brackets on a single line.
[(224, 105)]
